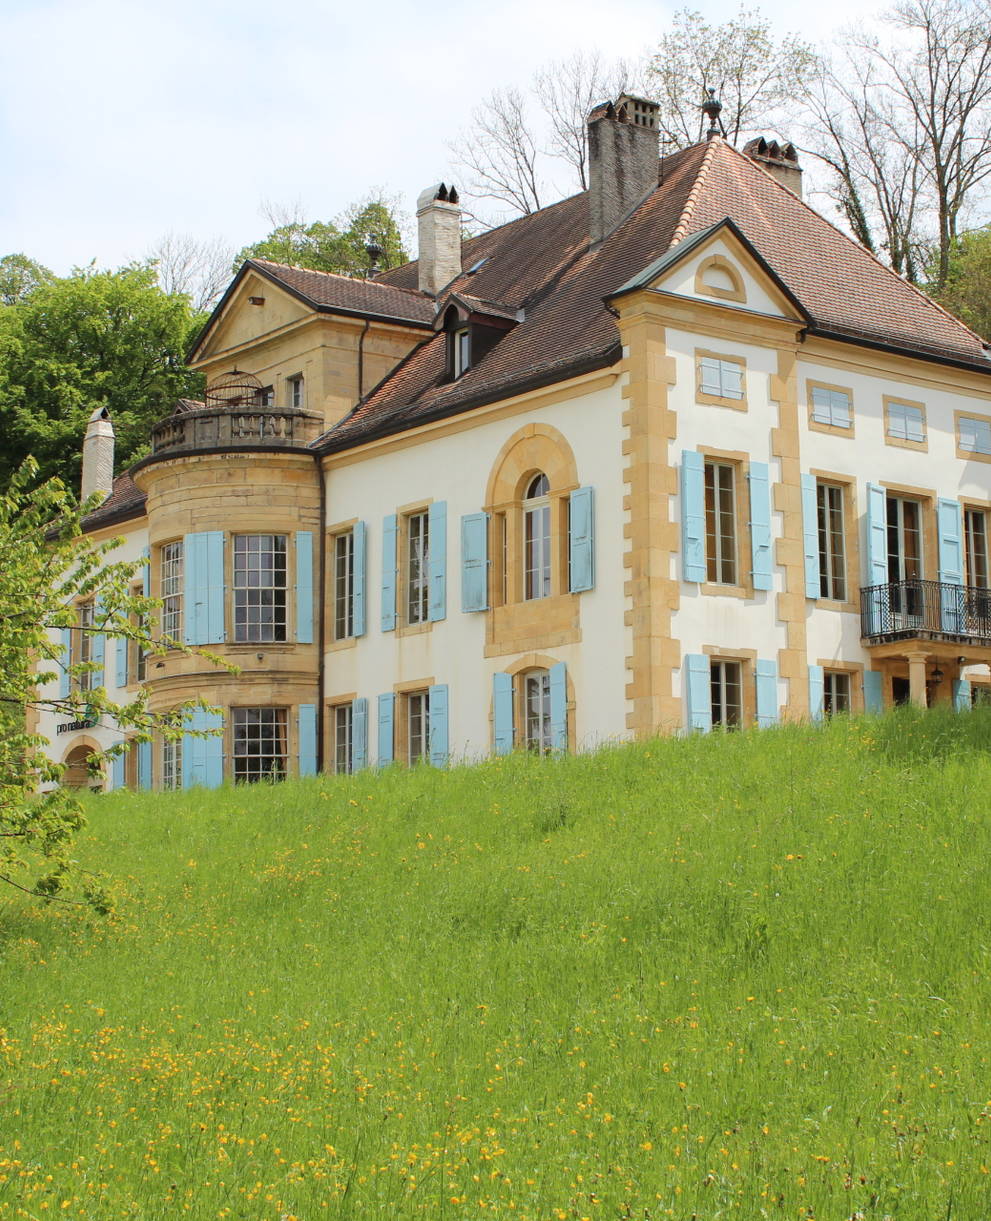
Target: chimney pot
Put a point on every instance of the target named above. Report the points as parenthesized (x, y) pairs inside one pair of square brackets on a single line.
[(780, 161), (622, 161), (438, 219)]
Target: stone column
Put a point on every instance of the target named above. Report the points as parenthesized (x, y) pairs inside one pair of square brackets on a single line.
[(917, 679)]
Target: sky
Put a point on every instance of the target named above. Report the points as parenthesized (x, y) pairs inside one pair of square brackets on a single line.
[(121, 122)]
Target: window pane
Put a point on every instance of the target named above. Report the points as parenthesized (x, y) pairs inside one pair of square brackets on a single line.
[(832, 551), (342, 738), (344, 586), (172, 764), (537, 700), (260, 588), (418, 724), (975, 435), (726, 694), (171, 591), (720, 523), (417, 568), (259, 744)]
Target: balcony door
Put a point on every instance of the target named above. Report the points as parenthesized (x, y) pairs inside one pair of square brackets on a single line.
[(905, 559), (978, 597)]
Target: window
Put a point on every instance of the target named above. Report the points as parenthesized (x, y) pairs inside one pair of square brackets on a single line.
[(417, 726), (720, 523), (461, 350), (296, 391), (343, 728), (975, 435), (259, 744), (537, 712), (905, 422), (171, 590), (88, 681), (172, 764), (266, 396), (417, 567), (726, 693), (537, 539), (719, 379), (836, 692), (832, 550), (259, 588), (830, 406), (344, 585), (905, 559), (975, 528)]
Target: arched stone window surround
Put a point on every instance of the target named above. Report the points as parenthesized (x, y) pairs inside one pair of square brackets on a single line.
[(518, 670), (718, 262)]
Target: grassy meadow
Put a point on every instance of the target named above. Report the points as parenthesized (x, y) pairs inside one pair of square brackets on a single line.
[(728, 976)]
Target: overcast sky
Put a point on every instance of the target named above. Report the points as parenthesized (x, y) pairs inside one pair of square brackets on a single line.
[(123, 120)]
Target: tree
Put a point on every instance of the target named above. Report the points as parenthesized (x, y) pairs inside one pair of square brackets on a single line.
[(195, 269), (95, 338), (19, 276), (754, 74), (48, 564), (333, 246), (967, 289), (905, 126)]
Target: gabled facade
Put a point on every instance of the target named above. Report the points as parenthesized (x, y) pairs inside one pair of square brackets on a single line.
[(671, 454)]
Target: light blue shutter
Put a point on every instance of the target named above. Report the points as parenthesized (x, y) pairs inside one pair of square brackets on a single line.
[(817, 693), (696, 678), (203, 587), (760, 525), (873, 695), (810, 536), (581, 539), (502, 713), (359, 545), (359, 734), (203, 758), (439, 731), (386, 728), (692, 516), (144, 765), (307, 739), (304, 587), (65, 661), (559, 707), (767, 693), (877, 535), (475, 562), (121, 644), (146, 572), (961, 695), (950, 523), (437, 555), (98, 653), (117, 772), (390, 532)]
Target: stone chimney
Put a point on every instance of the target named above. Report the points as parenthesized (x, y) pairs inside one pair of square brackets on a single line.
[(780, 160), (438, 219), (622, 161), (98, 456)]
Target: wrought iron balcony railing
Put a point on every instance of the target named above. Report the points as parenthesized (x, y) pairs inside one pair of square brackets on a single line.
[(902, 610)]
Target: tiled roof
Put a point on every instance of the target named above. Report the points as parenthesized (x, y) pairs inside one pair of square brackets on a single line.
[(124, 502), (542, 264), (328, 291)]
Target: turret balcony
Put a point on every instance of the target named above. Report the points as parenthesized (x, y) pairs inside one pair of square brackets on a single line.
[(236, 427)]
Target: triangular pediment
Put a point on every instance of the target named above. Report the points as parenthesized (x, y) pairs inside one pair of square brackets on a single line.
[(719, 266), (253, 306)]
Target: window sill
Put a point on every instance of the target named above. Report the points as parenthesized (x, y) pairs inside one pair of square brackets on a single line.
[(539, 623), (346, 642), (714, 590), (901, 443), (413, 629), (715, 400), (831, 604), (833, 430)]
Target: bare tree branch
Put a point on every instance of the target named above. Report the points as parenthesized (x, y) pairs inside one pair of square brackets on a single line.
[(199, 269)]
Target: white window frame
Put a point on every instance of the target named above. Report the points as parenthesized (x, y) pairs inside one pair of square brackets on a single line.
[(979, 439), (726, 678), (250, 594), (171, 764), (537, 539), (837, 692), (721, 547), (831, 522), (461, 350), (417, 726), (343, 559), (417, 528), (722, 377), (538, 735), (253, 744), (831, 407), (296, 386), (905, 422), (976, 548), (171, 560), (343, 738)]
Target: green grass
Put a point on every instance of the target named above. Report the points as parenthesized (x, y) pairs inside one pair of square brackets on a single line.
[(737, 976)]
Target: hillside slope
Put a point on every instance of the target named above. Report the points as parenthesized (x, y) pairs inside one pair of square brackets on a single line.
[(741, 976)]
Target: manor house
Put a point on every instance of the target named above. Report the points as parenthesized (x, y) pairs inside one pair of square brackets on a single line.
[(671, 454)]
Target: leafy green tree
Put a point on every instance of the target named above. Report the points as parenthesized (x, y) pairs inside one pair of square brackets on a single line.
[(95, 338), (19, 276), (967, 291), (48, 564), (335, 246)]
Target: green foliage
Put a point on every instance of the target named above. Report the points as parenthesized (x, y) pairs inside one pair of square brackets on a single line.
[(967, 292), (19, 276), (731, 975), (330, 246), (95, 338), (47, 566)]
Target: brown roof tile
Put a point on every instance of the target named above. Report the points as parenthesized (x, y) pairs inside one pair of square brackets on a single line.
[(125, 501), (327, 290)]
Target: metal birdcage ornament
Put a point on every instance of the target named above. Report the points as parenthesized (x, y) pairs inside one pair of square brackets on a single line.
[(234, 389)]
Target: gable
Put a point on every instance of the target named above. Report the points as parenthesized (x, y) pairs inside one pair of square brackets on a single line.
[(721, 270), (243, 320)]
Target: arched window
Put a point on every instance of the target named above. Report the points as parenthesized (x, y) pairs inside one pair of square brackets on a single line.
[(537, 538), (537, 723)]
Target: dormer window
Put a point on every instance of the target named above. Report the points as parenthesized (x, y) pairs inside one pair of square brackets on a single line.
[(461, 352)]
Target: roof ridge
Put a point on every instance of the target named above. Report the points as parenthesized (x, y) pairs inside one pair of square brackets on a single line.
[(337, 275), (681, 228), (857, 245)]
